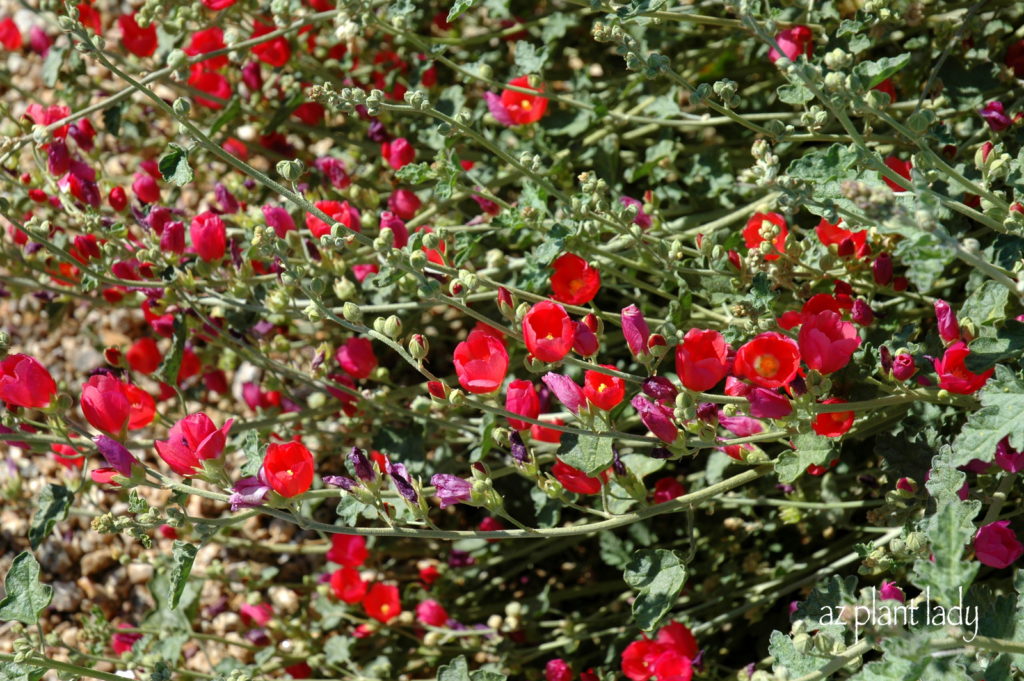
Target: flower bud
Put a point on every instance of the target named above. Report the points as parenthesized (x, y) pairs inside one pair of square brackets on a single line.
[(506, 304), (881, 268), (418, 346), (392, 327)]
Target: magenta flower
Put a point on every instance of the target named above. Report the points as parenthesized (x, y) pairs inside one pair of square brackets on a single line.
[(827, 342), (249, 492), (995, 115), (451, 489), (498, 110), (769, 404), (642, 219), (661, 390), (903, 367), (1008, 458), (793, 42), (890, 592), (996, 545)]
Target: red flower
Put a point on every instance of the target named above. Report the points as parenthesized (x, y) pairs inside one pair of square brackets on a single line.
[(48, 115), (89, 17), (404, 204), (667, 489), (275, 52), (122, 643), (382, 603), (10, 36), (209, 237), (548, 331), (67, 456), (117, 198), (677, 636), (144, 356), (24, 382), (111, 405), (833, 424), (770, 360), (1015, 58), (521, 398), (348, 550), (954, 375), (793, 42), (210, 82), (638, 659), (481, 362), (543, 434), (398, 153), (348, 586), (139, 41), (217, 5), (827, 342), (830, 234), (603, 391), (191, 441), (310, 113), (702, 359), (899, 167), (356, 357), (753, 238), (208, 40), (431, 612), (888, 88), (520, 107), (574, 281), (340, 211), (288, 468), (575, 480)]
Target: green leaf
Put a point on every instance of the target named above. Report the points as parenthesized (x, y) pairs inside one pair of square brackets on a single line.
[(112, 119), (830, 164), (11, 671), (589, 453), (171, 365), (52, 65), (986, 304), (828, 598), (456, 670), (874, 72), (926, 257), (486, 675), (232, 111), (810, 449), (174, 166), (26, 595), (659, 576), (987, 351), (1002, 414), (794, 94), (54, 502), (528, 58), (458, 8), (787, 658), (338, 650), (415, 173), (184, 556), (253, 454)]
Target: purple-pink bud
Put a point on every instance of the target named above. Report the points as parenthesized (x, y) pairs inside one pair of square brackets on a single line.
[(566, 390), (768, 404), (949, 329), (635, 329), (903, 367), (657, 418), (862, 314), (661, 390), (585, 341)]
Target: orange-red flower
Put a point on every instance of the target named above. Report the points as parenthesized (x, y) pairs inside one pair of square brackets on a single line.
[(382, 602), (770, 360), (702, 359), (603, 391), (833, 424), (954, 375)]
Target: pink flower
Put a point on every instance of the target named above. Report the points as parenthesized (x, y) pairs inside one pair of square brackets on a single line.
[(278, 218), (996, 545), (827, 342), (557, 670), (348, 550), (903, 366), (949, 329), (356, 357), (259, 614), (667, 489), (431, 612), (793, 42), (954, 375)]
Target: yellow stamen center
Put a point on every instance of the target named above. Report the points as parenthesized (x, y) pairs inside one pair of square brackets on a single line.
[(766, 365)]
